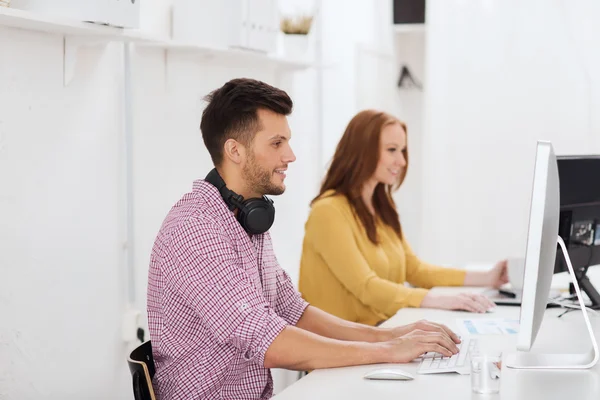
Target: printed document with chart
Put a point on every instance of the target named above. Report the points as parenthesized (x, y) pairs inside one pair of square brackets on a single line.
[(488, 326)]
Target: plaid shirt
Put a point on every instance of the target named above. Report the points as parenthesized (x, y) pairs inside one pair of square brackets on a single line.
[(217, 298)]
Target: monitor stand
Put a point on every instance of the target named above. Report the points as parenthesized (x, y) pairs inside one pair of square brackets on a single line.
[(528, 360), (588, 288)]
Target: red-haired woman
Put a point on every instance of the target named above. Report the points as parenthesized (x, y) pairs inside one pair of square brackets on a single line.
[(355, 258)]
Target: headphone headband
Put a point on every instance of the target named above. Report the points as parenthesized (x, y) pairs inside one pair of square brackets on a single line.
[(232, 199), (255, 215)]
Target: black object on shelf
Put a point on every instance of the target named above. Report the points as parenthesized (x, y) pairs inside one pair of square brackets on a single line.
[(409, 11), (406, 80)]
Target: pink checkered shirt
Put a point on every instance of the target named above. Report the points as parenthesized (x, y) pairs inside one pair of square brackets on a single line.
[(217, 298)]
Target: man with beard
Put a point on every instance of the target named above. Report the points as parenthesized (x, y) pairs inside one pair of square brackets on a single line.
[(221, 311)]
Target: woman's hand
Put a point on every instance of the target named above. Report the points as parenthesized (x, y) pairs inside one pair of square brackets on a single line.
[(495, 277), (498, 275), (473, 302)]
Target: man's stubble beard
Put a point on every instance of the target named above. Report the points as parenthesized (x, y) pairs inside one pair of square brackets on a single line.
[(259, 179)]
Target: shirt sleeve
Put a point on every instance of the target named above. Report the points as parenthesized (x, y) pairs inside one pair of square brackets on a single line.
[(289, 304), (333, 239), (212, 280), (421, 274)]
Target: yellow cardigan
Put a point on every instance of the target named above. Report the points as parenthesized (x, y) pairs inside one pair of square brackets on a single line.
[(344, 273)]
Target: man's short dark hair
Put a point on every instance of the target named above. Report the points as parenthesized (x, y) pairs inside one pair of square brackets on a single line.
[(231, 113)]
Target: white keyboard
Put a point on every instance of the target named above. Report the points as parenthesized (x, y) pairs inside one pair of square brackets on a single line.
[(436, 363)]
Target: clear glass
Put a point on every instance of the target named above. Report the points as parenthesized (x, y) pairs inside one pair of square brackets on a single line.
[(485, 373)]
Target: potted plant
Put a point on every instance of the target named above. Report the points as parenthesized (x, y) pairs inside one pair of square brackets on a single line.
[(295, 35)]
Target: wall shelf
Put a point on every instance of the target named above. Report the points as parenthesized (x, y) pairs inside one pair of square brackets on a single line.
[(78, 34), (230, 56), (19, 19)]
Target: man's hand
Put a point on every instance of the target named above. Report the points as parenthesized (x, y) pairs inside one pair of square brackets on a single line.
[(410, 346), (425, 326), (465, 301)]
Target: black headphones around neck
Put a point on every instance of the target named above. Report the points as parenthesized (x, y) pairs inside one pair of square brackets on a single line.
[(255, 215)]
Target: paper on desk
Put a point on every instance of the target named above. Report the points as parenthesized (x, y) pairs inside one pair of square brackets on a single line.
[(488, 326)]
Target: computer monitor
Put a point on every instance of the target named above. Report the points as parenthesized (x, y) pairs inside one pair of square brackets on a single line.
[(539, 267), (579, 224)]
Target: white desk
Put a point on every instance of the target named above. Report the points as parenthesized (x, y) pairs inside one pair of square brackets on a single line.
[(567, 334)]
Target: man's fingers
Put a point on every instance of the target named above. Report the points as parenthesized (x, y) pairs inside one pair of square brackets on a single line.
[(453, 336), (438, 349), (430, 326), (441, 339), (450, 333), (441, 328)]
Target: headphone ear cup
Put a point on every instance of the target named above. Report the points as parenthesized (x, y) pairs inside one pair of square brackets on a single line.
[(257, 215)]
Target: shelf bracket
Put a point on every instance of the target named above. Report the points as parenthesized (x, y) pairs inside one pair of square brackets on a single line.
[(71, 47)]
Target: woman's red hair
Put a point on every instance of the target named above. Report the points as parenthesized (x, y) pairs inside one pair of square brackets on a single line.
[(354, 163)]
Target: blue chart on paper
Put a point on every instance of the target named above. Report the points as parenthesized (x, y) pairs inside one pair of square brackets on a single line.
[(494, 326)]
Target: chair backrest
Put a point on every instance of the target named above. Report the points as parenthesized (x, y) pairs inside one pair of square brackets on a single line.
[(141, 365)]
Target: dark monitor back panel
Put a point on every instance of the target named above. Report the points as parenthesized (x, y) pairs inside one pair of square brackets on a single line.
[(579, 259), (580, 210), (581, 255), (579, 180)]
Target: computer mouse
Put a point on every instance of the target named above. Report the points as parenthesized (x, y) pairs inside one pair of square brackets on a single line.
[(389, 374)]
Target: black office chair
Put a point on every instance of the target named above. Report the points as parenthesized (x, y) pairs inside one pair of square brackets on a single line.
[(141, 365)]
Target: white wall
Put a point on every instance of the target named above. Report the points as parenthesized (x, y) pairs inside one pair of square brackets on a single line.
[(62, 225), (61, 285), (348, 26), (501, 74), (497, 76), (362, 58)]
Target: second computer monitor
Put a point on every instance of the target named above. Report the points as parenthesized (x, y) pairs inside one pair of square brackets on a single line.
[(579, 210)]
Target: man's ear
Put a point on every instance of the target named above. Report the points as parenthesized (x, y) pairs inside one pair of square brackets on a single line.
[(234, 151)]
